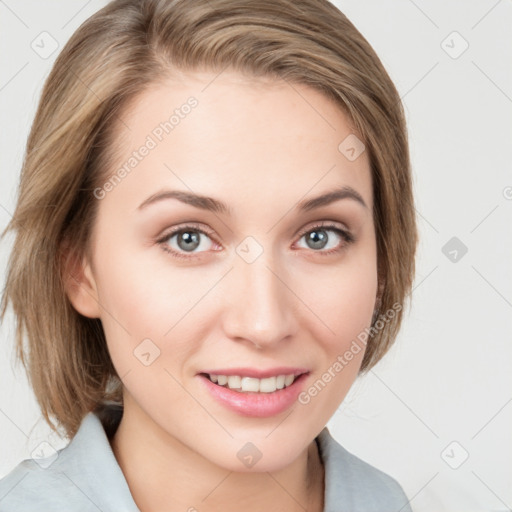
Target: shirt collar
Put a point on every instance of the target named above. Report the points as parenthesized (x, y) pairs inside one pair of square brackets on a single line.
[(102, 471), (91, 464)]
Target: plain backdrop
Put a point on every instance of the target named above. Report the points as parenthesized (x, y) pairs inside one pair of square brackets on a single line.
[(436, 413)]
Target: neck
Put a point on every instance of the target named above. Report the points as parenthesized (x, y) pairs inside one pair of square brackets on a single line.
[(149, 459)]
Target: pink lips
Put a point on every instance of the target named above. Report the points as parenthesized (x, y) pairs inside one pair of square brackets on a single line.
[(259, 405)]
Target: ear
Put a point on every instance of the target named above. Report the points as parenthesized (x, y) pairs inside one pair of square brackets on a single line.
[(79, 282)]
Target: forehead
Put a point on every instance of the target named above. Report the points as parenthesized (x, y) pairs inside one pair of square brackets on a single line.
[(232, 136)]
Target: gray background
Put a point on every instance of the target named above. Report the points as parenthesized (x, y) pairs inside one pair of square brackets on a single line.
[(435, 412)]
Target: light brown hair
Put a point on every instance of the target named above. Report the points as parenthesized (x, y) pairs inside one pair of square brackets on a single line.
[(107, 63)]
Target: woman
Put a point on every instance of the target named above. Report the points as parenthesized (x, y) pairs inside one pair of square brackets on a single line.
[(268, 138)]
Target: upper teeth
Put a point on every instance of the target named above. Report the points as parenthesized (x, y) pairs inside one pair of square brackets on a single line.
[(268, 385)]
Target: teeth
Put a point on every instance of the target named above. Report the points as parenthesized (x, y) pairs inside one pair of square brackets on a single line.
[(234, 382), (288, 380), (239, 383)]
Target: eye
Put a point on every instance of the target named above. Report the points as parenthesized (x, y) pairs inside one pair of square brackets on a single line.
[(190, 237), (318, 239), (187, 240)]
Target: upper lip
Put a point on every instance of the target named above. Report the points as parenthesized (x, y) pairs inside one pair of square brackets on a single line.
[(258, 373)]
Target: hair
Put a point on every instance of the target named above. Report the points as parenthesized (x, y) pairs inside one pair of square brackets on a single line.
[(113, 57)]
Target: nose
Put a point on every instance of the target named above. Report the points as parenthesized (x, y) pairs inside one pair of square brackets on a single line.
[(260, 308)]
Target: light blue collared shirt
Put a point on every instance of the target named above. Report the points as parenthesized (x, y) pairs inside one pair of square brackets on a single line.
[(84, 476)]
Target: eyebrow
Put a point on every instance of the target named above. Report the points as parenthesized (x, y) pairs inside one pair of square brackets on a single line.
[(217, 206)]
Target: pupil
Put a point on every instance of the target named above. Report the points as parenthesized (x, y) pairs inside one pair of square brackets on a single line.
[(318, 239), (191, 239)]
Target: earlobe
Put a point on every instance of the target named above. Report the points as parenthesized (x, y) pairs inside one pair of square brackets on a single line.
[(79, 283)]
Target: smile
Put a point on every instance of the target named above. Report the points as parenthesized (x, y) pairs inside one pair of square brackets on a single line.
[(252, 384)]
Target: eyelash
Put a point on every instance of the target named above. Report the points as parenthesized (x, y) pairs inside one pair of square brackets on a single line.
[(345, 235)]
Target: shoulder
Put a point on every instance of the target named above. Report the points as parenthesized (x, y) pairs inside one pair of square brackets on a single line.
[(83, 476), (28, 487), (352, 482)]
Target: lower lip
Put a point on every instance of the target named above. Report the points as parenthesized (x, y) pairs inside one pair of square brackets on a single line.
[(258, 405)]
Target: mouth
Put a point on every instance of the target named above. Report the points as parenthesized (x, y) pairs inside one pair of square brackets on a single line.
[(252, 396), (246, 384)]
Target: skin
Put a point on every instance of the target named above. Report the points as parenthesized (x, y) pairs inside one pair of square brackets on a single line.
[(261, 147)]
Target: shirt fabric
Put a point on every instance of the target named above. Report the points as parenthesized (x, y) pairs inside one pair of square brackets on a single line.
[(85, 476)]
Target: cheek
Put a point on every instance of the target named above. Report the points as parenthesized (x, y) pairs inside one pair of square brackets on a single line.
[(144, 297), (144, 301), (354, 303), (343, 301), (341, 298)]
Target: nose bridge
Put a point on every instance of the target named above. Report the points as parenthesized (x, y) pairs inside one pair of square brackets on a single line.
[(261, 309)]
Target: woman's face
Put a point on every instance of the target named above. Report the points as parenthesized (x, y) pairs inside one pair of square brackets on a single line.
[(256, 287)]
